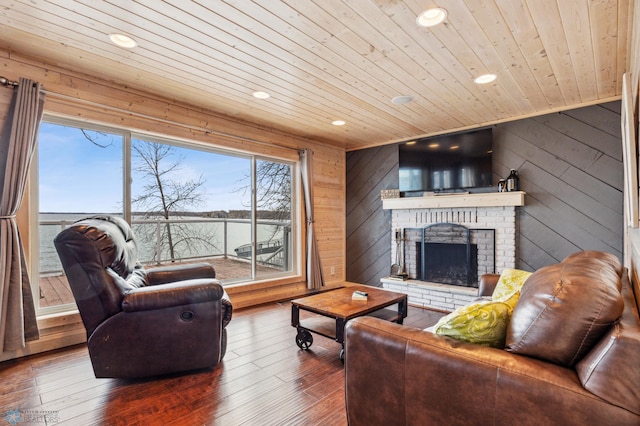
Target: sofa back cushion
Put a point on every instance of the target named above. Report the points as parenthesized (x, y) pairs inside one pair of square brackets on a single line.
[(564, 310), (611, 369), (99, 256), (596, 256)]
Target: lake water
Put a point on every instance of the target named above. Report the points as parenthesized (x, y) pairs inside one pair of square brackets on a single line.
[(207, 237)]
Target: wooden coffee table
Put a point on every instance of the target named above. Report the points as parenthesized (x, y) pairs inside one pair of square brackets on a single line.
[(327, 313)]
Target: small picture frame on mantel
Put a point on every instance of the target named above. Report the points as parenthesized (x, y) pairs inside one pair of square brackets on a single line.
[(385, 194)]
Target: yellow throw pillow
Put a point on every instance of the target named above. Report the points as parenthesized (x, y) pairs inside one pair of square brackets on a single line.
[(509, 285), (484, 323)]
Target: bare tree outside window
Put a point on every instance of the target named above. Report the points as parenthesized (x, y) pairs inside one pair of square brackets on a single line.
[(273, 181), (168, 196), (273, 211), (273, 190)]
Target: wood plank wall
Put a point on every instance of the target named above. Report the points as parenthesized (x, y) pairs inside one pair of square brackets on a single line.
[(570, 166), (368, 226)]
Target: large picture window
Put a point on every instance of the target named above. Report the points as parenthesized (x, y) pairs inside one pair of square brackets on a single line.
[(186, 202)]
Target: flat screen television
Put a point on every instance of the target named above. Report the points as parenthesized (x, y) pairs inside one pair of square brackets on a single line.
[(448, 163)]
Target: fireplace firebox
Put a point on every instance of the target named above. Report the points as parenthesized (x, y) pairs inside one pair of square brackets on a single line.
[(449, 253), (448, 263)]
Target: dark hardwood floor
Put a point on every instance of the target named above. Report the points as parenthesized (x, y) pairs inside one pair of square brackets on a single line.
[(264, 379)]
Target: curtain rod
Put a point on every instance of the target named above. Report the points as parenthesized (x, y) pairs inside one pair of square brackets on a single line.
[(10, 83), (13, 84)]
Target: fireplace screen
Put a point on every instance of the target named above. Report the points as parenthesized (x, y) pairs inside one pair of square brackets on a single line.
[(450, 263), (452, 254)]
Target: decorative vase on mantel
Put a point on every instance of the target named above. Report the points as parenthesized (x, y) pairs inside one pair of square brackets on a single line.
[(513, 181)]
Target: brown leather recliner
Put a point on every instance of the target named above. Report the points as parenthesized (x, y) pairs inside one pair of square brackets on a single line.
[(141, 322)]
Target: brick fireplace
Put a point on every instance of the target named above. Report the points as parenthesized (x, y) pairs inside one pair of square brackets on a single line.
[(486, 216)]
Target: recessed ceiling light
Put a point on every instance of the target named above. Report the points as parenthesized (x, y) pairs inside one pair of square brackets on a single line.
[(431, 17), (401, 100), (339, 122), (454, 147), (485, 78), (411, 143), (434, 145), (261, 95), (123, 40)]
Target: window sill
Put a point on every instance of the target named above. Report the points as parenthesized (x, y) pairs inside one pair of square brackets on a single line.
[(56, 331)]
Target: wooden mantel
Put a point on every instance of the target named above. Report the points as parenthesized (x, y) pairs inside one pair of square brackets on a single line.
[(487, 199)]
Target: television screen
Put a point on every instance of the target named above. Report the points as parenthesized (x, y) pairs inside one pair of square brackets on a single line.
[(446, 163)]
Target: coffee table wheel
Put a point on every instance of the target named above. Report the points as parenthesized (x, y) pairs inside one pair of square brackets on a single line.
[(304, 339), (342, 354)]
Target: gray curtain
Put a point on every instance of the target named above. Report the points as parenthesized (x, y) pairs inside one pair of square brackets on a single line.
[(315, 279), (17, 143)]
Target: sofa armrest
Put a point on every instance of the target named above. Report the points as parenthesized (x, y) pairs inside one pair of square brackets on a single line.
[(227, 309), (398, 375), (172, 273), (487, 284), (174, 294)]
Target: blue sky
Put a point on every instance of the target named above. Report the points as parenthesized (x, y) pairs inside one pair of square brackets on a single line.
[(75, 175)]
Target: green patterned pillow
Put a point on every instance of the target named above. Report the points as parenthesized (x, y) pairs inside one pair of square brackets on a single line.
[(484, 323), (509, 285)]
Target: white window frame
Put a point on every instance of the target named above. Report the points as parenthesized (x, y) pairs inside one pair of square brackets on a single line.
[(128, 136)]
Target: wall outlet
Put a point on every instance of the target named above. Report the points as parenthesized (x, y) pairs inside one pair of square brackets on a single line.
[(333, 270)]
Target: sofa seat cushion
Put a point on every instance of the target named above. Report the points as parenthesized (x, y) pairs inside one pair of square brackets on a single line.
[(484, 323), (564, 309)]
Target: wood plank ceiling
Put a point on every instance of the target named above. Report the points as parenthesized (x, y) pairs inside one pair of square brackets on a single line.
[(326, 60)]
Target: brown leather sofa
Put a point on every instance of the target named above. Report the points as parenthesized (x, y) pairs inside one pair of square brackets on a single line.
[(141, 322), (565, 362)]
